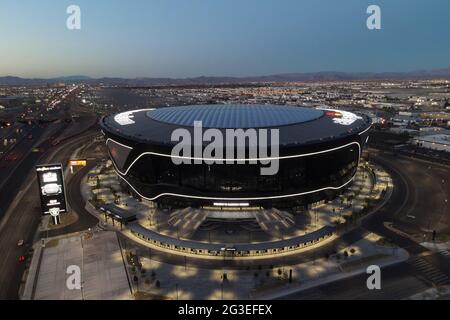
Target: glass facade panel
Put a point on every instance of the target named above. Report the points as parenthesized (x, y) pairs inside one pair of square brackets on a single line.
[(152, 175)]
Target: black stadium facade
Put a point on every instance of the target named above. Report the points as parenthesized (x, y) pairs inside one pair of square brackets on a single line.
[(318, 154)]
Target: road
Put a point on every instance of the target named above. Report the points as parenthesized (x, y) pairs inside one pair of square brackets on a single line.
[(18, 159)]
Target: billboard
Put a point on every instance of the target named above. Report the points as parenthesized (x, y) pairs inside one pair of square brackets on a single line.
[(51, 188), (75, 163)]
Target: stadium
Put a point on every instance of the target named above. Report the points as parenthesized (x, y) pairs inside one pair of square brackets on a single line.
[(318, 152)]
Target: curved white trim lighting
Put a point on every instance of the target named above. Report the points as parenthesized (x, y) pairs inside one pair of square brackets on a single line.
[(237, 199), (229, 159), (120, 174), (365, 130)]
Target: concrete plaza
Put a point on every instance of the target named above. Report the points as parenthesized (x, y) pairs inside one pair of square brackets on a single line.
[(99, 258)]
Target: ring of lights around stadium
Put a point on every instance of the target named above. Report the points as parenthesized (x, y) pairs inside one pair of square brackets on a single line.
[(319, 153)]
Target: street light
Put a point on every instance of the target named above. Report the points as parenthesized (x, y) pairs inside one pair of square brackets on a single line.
[(221, 286)]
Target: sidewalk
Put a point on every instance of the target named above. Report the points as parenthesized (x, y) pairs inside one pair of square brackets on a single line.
[(433, 246)]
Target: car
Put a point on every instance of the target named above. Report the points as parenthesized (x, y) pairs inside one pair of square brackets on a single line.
[(20, 243), (21, 258), (51, 189), (11, 157)]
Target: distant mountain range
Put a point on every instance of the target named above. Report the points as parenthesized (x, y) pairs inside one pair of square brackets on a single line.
[(284, 77)]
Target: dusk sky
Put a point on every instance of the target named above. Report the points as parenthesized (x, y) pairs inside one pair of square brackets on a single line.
[(188, 38)]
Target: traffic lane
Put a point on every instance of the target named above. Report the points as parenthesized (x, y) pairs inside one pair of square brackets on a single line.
[(12, 185), (442, 224), (430, 194), (400, 200), (21, 225), (16, 132), (12, 158)]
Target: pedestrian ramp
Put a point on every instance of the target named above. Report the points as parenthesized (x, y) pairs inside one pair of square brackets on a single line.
[(426, 270)]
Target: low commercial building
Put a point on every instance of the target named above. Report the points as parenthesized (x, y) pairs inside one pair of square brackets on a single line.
[(440, 142)]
